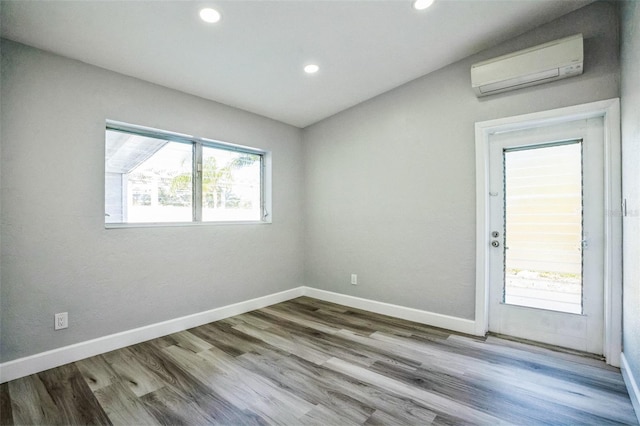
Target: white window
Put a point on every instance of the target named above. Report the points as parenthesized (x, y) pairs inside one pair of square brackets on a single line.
[(156, 177)]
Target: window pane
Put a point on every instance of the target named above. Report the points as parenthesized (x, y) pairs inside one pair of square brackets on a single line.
[(543, 227), (147, 179), (231, 188)]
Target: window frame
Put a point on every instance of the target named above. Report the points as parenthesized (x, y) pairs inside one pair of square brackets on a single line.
[(197, 144)]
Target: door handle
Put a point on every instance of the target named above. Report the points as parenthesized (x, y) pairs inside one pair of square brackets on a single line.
[(495, 243)]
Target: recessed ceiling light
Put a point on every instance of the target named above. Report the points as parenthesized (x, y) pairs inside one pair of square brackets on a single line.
[(422, 4), (311, 69), (209, 15)]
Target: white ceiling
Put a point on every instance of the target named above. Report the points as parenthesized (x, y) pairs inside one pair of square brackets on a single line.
[(253, 58)]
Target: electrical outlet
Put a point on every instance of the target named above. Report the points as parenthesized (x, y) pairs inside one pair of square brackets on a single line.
[(354, 279), (61, 321)]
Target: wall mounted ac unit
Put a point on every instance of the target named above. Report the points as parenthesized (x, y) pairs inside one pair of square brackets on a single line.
[(540, 64)]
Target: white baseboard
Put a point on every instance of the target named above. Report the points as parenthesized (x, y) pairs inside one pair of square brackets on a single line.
[(54, 358), (632, 384), (424, 317), (22, 367)]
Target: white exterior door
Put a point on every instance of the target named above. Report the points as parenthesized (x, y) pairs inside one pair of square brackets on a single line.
[(546, 215)]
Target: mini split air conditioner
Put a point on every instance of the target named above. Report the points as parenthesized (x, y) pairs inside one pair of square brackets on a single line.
[(540, 64)]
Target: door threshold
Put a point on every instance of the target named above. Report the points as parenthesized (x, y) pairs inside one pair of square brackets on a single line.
[(547, 346)]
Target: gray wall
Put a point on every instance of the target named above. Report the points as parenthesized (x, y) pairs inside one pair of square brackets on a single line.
[(57, 255), (0, 191), (390, 183), (630, 109)]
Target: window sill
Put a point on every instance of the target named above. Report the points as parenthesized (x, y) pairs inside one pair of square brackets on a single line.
[(183, 224)]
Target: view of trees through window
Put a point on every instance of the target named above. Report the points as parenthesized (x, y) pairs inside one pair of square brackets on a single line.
[(152, 192), (229, 182), (153, 180)]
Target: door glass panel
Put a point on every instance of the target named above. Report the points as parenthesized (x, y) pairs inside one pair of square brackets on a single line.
[(543, 227)]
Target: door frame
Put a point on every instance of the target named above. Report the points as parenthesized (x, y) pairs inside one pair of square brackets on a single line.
[(610, 111)]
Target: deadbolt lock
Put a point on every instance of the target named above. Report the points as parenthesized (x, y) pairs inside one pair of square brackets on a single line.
[(495, 234)]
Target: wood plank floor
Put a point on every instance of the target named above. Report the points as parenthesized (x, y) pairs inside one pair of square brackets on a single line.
[(311, 362)]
